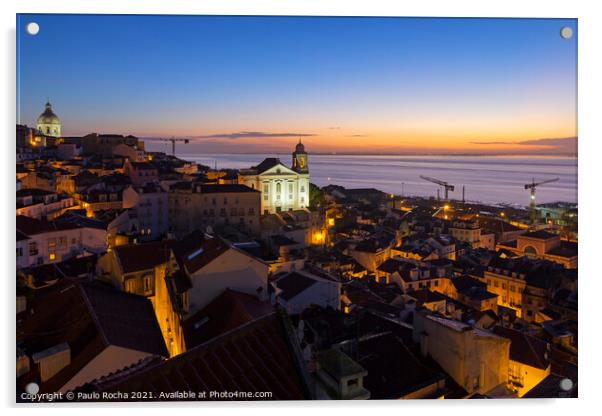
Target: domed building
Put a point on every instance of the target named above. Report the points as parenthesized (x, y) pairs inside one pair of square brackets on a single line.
[(48, 123)]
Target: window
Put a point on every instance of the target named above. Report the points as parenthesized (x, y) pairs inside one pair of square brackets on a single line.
[(290, 188), (266, 188), (19, 251), (503, 285), (62, 244), (51, 256), (265, 197), (147, 283), (130, 285), (278, 187), (302, 188), (51, 244)]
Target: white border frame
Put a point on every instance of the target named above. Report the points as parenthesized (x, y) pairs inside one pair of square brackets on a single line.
[(590, 68)]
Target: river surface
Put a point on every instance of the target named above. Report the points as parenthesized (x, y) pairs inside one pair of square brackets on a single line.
[(487, 179)]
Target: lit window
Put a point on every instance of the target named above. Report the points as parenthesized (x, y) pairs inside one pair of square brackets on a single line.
[(130, 285), (148, 284), (52, 256)]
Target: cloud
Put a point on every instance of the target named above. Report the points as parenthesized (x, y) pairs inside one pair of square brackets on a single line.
[(494, 143), (557, 142), (358, 135), (334, 128), (562, 145), (252, 135)]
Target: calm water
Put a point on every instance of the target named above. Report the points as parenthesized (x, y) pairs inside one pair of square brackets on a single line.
[(491, 179)]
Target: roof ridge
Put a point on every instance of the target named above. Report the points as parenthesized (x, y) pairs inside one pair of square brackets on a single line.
[(526, 337), (92, 312)]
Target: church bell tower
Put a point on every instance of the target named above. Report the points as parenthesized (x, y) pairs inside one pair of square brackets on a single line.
[(300, 159)]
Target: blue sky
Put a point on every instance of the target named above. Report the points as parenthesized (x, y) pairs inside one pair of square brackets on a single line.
[(408, 84)]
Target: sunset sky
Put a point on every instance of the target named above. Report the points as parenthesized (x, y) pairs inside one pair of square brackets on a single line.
[(357, 85)]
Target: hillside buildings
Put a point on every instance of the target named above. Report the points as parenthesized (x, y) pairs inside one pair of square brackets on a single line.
[(138, 271)]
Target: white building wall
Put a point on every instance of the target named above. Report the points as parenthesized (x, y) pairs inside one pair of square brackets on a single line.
[(234, 270), (294, 189), (111, 359), (324, 293), (77, 240)]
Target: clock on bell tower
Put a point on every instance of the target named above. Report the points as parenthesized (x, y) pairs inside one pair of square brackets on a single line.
[(300, 158)]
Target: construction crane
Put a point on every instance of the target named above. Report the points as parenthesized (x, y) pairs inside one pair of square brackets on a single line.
[(173, 141), (448, 187), (532, 186)]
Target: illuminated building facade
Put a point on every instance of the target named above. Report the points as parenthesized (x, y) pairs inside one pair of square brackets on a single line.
[(282, 188), (48, 123)]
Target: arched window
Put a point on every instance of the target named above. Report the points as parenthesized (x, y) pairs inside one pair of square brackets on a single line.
[(530, 251), (278, 187)]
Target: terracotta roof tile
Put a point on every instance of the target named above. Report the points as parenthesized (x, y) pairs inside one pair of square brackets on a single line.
[(228, 311), (253, 358), (89, 317), (196, 250), (145, 256), (525, 348)]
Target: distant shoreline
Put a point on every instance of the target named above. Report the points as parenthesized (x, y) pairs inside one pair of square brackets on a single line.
[(574, 156)]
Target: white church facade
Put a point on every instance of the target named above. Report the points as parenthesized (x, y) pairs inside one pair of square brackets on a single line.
[(282, 188)]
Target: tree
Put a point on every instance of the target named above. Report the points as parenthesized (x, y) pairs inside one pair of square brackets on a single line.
[(316, 197)]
